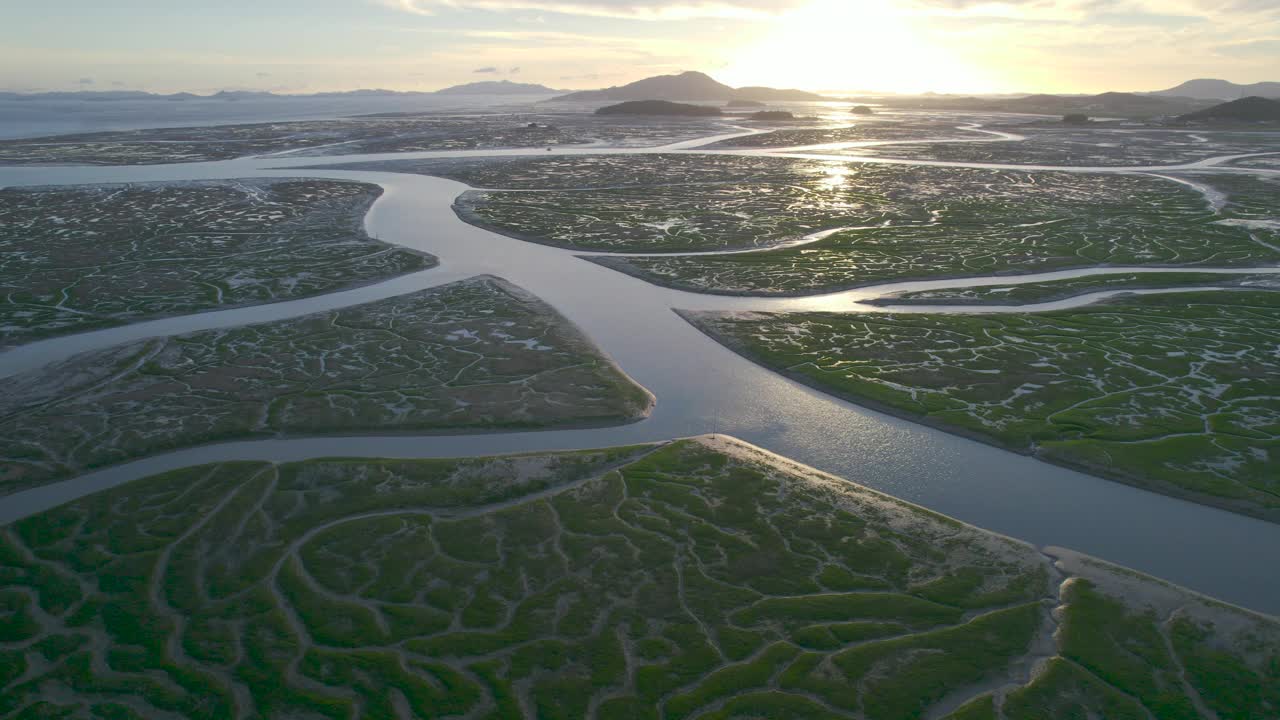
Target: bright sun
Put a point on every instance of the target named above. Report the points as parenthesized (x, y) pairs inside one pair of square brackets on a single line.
[(851, 45)]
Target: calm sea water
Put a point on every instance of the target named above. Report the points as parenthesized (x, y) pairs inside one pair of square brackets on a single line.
[(37, 118)]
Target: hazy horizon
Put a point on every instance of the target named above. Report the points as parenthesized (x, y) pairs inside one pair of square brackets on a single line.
[(210, 92), (898, 46)]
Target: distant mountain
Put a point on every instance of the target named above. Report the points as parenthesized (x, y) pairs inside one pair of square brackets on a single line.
[(1250, 109), (658, 107), (1211, 89), (498, 87), (96, 95), (1113, 103), (373, 92), (1108, 103), (686, 86), (242, 95)]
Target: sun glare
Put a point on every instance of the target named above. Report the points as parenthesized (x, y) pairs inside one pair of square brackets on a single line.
[(844, 45)]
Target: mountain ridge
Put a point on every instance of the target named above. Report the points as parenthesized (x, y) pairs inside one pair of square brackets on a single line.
[(497, 87), (1215, 89), (1107, 103), (686, 86)]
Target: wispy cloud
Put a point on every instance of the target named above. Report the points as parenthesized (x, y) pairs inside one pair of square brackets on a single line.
[(626, 9), (486, 69), (1264, 48)]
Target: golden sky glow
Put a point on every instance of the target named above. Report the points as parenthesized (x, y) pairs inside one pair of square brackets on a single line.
[(835, 44), (961, 46)]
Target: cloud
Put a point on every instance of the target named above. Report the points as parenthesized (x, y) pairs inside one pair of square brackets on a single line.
[(1144, 19), (626, 9), (549, 36), (1263, 7), (966, 4), (263, 74), (116, 83), (511, 42), (1252, 48), (494, 70), (85, 81)]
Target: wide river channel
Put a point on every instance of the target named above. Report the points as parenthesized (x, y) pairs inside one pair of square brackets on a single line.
[(701, 387)]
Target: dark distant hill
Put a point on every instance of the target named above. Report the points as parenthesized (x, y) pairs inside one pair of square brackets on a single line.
[(498, 87), (658, 107), (686, 86), (1037, 100), (1212, 89), (1132, 103), (1115, 103), (1108, 103), (1250, 109)]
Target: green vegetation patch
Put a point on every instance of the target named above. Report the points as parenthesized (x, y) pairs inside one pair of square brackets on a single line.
[(864, 129), (888, 221), (82, 258), (617, 170), (395, 132), (653, 203), (1177, 392), (660, 581), (374, 133), (1127, 653), (667, 219), (1099, 145), (899, 222), (1041, 292), (1270, 161), (656, 581), (1245, 197), (478, 354)]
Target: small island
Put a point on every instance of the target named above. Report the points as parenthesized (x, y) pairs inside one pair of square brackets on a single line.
[(1245, 110), (657, 107), (862, 110)]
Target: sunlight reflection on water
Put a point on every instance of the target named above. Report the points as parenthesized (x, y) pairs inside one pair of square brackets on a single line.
[(701, 387)]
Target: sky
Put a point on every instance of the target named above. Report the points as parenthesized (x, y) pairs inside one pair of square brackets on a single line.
[(953, 46)]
